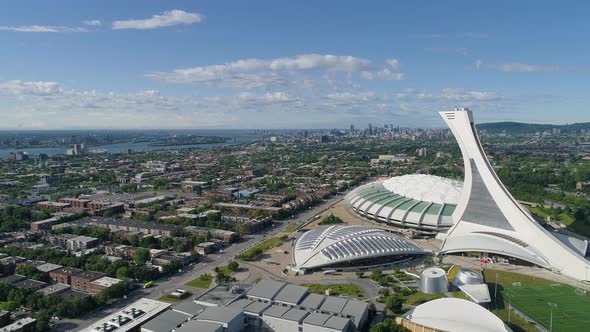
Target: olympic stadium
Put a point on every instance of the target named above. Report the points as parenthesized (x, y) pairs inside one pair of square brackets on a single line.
[(352, 248), (477, 215), (418, 201)]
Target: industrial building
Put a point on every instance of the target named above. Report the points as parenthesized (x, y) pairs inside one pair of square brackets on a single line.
[(130, 318), (267, 306)]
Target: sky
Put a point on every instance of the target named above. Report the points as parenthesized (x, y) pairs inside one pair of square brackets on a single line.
[(290, 64)]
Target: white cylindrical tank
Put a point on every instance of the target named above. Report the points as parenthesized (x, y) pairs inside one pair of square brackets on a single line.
[(433, 280)]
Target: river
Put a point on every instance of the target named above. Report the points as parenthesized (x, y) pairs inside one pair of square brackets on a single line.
[(241, 137)]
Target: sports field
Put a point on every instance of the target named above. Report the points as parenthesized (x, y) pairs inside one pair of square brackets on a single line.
[(570, 314)]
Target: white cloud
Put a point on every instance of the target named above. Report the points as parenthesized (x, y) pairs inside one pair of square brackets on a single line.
[(296, 70), (92, 23), (478, 64), (455, 94), (393, 63), (384, 74), (41, 28), (16, 87), (525, 68), (166, 19)]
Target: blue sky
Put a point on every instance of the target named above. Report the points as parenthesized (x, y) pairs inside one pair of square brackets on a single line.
[(289, 64)]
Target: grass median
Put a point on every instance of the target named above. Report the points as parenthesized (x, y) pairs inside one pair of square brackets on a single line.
[(255, 252)]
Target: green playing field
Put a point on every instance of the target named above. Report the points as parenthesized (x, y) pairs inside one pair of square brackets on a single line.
[(571, 312)]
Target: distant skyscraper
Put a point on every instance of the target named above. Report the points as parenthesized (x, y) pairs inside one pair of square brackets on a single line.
[(351, 128)]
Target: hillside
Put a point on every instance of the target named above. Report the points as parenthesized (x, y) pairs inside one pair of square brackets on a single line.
[(521, 128)]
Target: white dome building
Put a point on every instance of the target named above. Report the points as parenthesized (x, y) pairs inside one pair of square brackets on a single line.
[(453, 315), (351, 248), (415, 200)]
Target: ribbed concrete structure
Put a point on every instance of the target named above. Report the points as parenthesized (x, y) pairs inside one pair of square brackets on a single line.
[(488, 219), (351, 248), (416, 200)]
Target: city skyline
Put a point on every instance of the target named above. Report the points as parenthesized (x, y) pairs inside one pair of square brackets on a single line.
[(232, 65)]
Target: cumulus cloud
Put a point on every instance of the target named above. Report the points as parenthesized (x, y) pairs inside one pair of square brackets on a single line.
[(166, 19), (384, 74), (393, 63), (92, 23), (525, 68), (17, 87), (41, 28), (257, 73)]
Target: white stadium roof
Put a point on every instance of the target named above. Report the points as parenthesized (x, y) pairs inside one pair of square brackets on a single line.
[(451, 314), (428, 188), (415, 200), (327, 246)]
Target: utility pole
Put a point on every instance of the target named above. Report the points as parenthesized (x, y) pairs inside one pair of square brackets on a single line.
[(551, 305), (496, 291), (509, 306)]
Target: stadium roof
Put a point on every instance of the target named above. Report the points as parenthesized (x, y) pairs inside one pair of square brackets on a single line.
[(451, 314), (326, 246), (414, 200)]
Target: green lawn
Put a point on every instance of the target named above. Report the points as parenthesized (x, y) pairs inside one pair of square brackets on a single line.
[(291, 228), (203, 281), (419, 298), (337, 289), (264, 246), (571, 313), (460, 295), (508, 279)]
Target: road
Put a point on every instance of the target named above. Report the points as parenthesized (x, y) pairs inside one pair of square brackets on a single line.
[(205, 264)]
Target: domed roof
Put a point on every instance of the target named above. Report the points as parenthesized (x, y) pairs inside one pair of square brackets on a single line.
[(451, 314), (427, 188), (416, 200), (334, 244)]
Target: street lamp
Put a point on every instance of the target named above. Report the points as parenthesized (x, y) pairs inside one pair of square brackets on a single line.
[(509, 306), (551, 305)]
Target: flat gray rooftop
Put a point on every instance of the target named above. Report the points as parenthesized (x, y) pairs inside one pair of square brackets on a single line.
[(222, 295), (241, 304), (316, 319), (200, 326), (333, 304), (291, 294), (295, 315), (257, 307), (166, 322), (338, 323), (219, 314), (313, 301), (355, 309), (276, 311), (266, 289), (53, 289), (189, 308)]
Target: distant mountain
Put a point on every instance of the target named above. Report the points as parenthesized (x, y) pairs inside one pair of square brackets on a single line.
[(522, 128)]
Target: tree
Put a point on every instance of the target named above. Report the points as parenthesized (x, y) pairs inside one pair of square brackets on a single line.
[(388, 325), (141, 256), (394, 303), (42, 316), (233, 266), (360, 274), (123, 272), (376, 275)]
